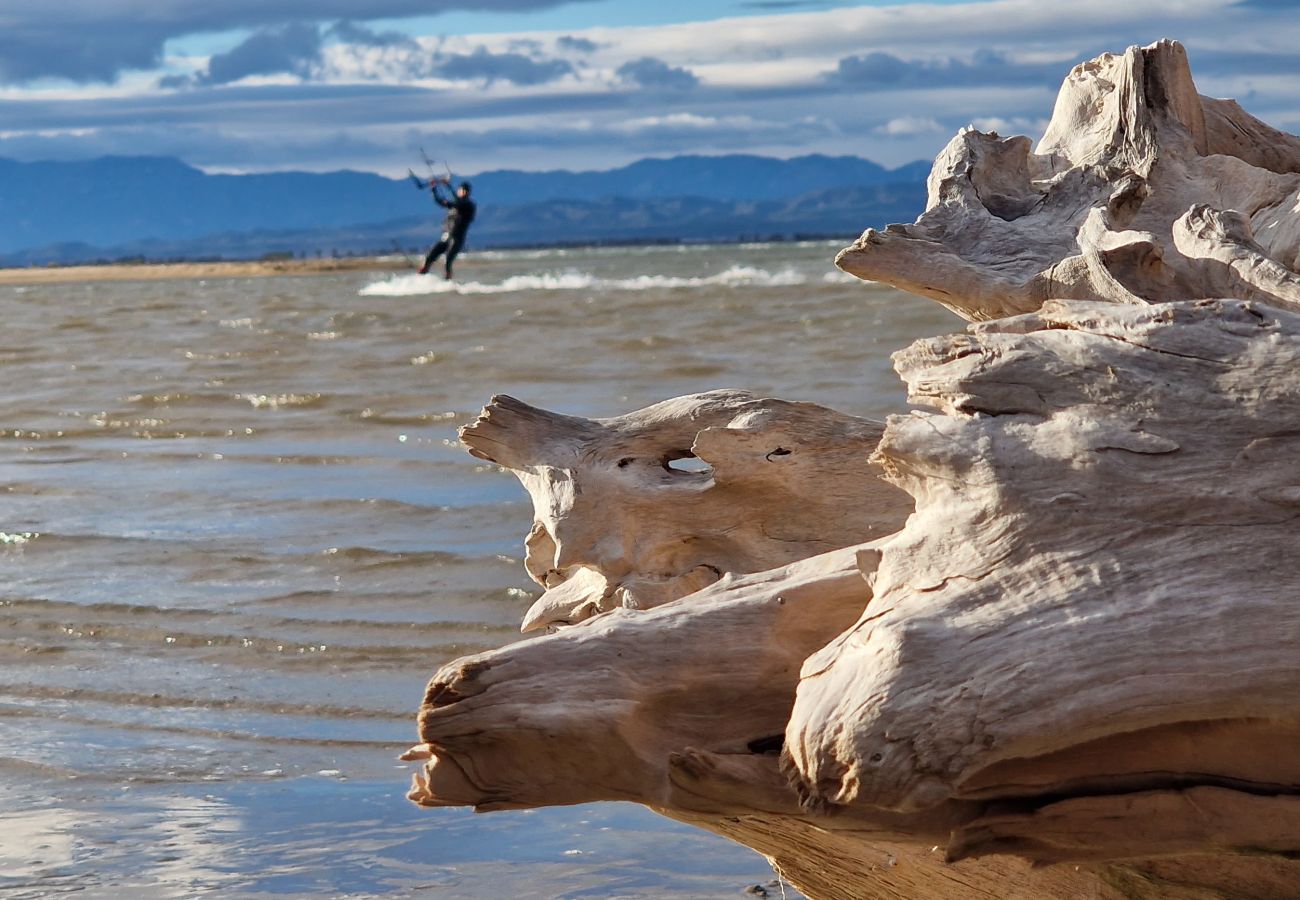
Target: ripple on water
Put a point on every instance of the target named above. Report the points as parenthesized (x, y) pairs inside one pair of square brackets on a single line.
[(241, 535)]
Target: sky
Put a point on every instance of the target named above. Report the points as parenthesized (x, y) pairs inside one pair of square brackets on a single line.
[(322, 85)]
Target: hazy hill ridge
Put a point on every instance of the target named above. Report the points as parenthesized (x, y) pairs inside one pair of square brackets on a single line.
[(161, 207)]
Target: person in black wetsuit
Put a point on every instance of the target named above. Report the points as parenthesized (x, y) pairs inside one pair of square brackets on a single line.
[(460, 213)]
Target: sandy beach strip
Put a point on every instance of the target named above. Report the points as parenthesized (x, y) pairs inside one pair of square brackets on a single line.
[(219, 269)]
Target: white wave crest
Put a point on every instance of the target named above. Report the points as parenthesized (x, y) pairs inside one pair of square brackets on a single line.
[(840, 277), (570, 280)]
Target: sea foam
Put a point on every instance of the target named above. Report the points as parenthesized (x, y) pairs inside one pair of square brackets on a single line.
[(572, 280)]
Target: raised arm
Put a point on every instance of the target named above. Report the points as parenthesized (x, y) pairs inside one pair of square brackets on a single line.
[(438, 198)]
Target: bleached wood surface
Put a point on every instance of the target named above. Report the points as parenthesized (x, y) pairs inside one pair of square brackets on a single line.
[(640, 509), (1141, 190), (1095, 611), (1073, 671)]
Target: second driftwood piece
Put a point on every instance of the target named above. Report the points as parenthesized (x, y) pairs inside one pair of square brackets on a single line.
[(1141, 190), (637, 510)]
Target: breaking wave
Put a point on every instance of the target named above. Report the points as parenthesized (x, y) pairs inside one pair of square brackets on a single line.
[(571, 280)]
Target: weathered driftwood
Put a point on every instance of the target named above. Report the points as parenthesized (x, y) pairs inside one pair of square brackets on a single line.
[(534, 724), (1082, 647), (618, 525), (1141, 190), (1093, 613), (1072, 671)]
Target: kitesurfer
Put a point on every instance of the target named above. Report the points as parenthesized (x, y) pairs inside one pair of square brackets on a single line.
[(460, 213)]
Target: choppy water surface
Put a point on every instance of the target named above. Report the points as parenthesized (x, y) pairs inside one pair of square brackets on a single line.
[(238, 535)]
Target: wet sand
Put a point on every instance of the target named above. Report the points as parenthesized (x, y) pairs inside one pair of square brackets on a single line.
[(192, 270)]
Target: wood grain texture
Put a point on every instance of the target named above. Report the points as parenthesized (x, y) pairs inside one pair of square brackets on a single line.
[(1140, 191), (637, 510)]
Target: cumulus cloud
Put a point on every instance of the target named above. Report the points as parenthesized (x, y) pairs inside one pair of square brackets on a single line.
[(984, 67), (574, 44), (488, 67), (909, 126), (351, 33), (176, 81), (877, 68), (362, 54), (1009, 126), (293, 49), (680, 123), (649, 72)]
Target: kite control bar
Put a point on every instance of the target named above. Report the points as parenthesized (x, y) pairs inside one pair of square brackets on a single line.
[(434, 178)]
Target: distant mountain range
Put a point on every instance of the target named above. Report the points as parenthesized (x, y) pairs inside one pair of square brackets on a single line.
[(160, 208)]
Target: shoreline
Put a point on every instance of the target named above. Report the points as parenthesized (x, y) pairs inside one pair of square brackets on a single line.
[(69, 273), (184, 270)]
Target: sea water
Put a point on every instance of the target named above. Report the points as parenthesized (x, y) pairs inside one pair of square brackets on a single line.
[(238, 535)]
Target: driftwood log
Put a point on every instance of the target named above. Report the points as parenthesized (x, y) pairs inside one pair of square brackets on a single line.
[(1141, 190), (617, 524), (1041, 640)]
